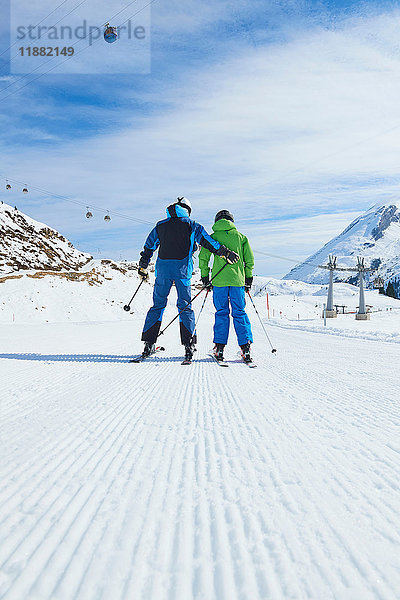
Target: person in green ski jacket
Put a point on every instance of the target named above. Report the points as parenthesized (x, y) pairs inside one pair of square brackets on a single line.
[(230, 286)]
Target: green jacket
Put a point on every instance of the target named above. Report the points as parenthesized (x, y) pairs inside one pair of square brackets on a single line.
[(226, 233)]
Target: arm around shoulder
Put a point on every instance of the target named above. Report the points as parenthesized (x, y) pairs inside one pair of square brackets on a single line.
[(204, 240)]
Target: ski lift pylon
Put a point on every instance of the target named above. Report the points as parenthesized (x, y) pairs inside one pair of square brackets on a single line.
[(110, 33)]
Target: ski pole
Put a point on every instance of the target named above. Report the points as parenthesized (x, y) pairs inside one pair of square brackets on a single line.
[(190, 301), (198, 316), (262, 324), (127, 307)]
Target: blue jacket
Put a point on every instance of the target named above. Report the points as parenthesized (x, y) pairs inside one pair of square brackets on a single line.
[(175, 237)]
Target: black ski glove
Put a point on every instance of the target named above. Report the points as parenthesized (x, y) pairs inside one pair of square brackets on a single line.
[(231, 257), (248, 283), (207, 283), (143, 273)]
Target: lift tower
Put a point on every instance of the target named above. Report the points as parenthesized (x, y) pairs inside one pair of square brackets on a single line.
[(330, 312), (362, 314)]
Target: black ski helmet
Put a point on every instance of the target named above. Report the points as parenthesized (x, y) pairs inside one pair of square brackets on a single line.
[(224, 214), (182, 201)]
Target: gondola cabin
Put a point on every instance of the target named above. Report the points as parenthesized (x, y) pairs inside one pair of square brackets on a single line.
[(89, 215), (8, 186), (379, 282), (107, 218), (25, 190), (110, 33)]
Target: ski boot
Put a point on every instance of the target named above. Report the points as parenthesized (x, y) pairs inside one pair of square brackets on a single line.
[(189, 351), (245, 349), (148, 349), (219, 352)]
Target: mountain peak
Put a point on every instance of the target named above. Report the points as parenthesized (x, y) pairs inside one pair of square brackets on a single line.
[(388, 214), (374, 235), (27, 244)]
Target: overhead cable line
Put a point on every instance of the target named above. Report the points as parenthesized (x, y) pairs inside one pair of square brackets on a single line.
[(321, 159), (69, 57), (291, 260), (54, 57), (136, 220), (37, 24), (83, 204), (56, 23)]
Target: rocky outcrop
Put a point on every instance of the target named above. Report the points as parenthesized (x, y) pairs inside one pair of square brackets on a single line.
[(26, 244)]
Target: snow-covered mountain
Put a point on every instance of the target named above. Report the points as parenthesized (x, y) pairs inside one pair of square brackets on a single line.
[(27, 244), (374, 235)]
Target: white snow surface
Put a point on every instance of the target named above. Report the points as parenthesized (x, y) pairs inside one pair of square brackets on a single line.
[(157, 481), (373, 235)]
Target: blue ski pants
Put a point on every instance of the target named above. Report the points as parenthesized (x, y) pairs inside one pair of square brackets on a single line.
[(162, 288), (234, 297)]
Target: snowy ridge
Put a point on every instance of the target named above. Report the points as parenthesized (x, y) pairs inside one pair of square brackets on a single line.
[(374, 235), (27, 244)]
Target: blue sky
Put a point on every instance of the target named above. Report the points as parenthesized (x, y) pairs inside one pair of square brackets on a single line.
[(284, 112)]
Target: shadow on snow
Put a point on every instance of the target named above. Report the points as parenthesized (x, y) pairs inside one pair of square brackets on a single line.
[(94, 358)]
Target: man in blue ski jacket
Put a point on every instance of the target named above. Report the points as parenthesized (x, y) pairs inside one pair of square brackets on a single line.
[(175, 237)]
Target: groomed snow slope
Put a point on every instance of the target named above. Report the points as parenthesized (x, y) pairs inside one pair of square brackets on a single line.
[(158, 482)]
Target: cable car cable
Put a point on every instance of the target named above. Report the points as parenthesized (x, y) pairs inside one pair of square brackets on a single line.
[(84, 204), (51, 59), (47, 61), (122, 10), (127, 217), (291, 260), (37, 25), (75, 53), (321, 159), (276, 180)]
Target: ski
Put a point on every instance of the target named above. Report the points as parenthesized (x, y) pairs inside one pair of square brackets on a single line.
[(186, 361), (140, 358), (250, 363), (220, 363)]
